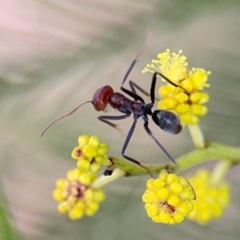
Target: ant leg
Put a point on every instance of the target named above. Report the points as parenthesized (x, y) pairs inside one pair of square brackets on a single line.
[(168, 155), (132, 94), (157, 142), (126, 144), (106, 118), (153, 85), (168, 80), (134, 86), (140, 52)]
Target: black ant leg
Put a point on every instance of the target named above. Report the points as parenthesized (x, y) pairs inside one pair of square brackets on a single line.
[(152, 89), (157, 142), (132, 94), (106, 118), (153, 85), (140, 52), (136, 97), (126, 144), (169, 156), (134, 86), (168, 80)]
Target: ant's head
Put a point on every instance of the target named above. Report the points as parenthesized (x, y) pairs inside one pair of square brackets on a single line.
[(100, 98), (167, 121)]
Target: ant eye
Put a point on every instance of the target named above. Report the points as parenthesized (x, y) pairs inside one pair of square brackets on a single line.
[(167, 121)]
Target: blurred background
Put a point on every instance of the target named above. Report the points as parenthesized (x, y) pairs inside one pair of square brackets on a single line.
[(54, 56)]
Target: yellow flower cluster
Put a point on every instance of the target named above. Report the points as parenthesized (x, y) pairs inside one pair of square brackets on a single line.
[(76, 196), (168, 199), (212, 198), (90, 153), (187, 104)]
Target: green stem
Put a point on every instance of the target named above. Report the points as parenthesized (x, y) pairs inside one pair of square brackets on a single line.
[(132, 169), (103, 180), (213, 151)]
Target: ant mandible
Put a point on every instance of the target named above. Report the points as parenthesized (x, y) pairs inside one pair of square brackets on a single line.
[(105, 96)]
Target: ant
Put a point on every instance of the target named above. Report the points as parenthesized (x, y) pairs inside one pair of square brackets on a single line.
[(105, 96)]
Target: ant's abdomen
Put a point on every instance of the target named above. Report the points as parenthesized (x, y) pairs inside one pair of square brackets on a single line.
[(167, 121)]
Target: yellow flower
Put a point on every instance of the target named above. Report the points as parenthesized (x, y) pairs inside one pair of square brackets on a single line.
[(188, 104), (168, 199), (212, 197), (76, 196), (173, 66), (90, 153)]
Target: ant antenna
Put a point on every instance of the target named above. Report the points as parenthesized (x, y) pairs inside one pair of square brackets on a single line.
[(68, 114)]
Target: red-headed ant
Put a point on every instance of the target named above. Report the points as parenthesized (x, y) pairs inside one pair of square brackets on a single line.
[(105, 96)]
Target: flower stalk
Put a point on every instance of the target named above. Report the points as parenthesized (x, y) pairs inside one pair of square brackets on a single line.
[(213, 151)]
